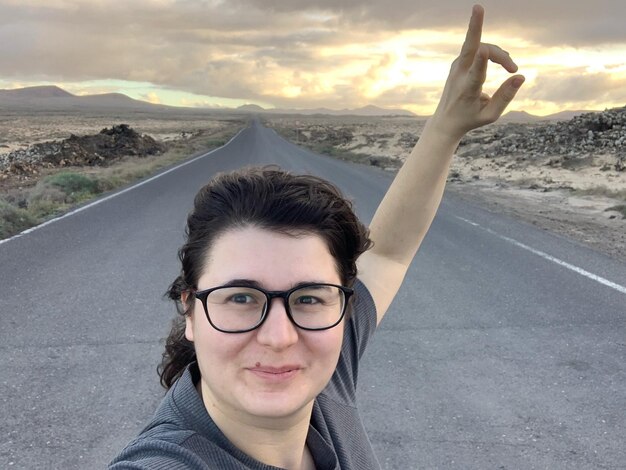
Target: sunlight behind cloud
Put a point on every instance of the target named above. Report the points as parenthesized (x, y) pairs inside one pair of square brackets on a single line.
[(152, 97), (306, 54)]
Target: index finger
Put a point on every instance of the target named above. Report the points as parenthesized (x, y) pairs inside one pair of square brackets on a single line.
[(472, 38)]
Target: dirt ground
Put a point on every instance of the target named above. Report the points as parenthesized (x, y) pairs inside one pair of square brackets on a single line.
[(571, 201), (20, 130), (580, 218), (568, 201)]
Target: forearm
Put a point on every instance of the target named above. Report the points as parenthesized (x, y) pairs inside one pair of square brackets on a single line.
[(409, 207)]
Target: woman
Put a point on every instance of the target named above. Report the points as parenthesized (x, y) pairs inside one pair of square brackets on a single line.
[(262, 366)]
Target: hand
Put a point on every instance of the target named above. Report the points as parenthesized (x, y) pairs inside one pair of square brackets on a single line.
[(463, 105)]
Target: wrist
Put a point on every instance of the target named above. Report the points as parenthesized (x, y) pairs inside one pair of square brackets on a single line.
[(444, 133)]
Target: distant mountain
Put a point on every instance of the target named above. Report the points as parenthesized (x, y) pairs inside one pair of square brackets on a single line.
[(369, 110), (523, 116), (35, 92), (50, 98), (251, 108), (519, 116), (111, 97), (566, 115), (53, 98)]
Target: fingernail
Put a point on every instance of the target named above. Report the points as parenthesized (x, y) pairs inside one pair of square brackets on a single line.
[(517, 82)]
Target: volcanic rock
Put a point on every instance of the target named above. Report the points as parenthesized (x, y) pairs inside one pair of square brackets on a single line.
[(92, 150), (563, 141)]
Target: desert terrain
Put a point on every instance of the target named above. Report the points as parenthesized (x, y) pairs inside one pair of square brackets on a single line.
[(52, 160), (567, 176), (20, 129)]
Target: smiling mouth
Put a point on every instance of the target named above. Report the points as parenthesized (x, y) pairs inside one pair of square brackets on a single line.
[(275, 373)]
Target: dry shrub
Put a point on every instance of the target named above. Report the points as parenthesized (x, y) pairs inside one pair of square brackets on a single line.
[(13, 219)]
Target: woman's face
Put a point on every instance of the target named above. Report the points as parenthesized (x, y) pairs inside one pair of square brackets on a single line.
[(277, 369)]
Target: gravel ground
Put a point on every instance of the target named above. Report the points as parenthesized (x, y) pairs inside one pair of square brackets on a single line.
[(577, 217)]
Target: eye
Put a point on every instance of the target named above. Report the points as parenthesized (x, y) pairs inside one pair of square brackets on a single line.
[(242, 298), (307, 300)]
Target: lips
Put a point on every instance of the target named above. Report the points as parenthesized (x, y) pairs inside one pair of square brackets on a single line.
[(275, 373)]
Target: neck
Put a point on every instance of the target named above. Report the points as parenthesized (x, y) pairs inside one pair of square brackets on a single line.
[(280, 442)]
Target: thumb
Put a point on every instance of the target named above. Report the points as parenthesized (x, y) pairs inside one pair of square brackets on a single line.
[(502, 97)]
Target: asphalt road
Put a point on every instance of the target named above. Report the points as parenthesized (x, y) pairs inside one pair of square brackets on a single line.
[(505, 348)]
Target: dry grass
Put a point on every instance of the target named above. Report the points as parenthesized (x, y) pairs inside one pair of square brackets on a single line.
[(57, 191), (14, 219), (333, 150), (602, 190)]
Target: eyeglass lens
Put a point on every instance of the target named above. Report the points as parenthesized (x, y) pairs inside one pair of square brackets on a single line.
[(241, 308)]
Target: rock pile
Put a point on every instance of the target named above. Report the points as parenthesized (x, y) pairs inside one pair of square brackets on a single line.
[(331, 135), (580, 137), (91, 150), (407, 140)]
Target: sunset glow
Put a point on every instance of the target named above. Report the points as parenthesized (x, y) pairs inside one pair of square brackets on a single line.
[(306, 55)]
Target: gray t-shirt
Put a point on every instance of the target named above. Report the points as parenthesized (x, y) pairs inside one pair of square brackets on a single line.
[(182, 435)]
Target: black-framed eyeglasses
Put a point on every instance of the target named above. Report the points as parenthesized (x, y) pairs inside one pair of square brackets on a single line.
[(241, 308)]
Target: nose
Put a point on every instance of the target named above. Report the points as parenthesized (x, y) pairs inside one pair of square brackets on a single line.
[(277, 331)]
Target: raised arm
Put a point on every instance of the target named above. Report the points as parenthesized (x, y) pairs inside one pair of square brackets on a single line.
[(407, 210)]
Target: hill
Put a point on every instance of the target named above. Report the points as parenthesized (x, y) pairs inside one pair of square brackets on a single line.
[(53, 98), (34, 92), (369, 110)]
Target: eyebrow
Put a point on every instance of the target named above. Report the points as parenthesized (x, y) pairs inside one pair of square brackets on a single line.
[(256, 284)]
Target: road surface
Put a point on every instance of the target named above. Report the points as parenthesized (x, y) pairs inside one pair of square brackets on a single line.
[(505, 348)]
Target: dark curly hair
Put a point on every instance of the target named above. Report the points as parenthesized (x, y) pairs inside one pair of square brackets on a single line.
[(267, 198)]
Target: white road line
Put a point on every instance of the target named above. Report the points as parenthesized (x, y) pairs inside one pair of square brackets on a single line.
[(576, 269), (95, 203)]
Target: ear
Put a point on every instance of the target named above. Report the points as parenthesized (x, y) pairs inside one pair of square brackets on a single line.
[(184, 296), (189, 328)]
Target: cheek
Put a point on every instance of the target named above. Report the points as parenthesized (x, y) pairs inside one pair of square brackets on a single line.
[(328, 346), (213, 347), (338, 343), (327, 352)]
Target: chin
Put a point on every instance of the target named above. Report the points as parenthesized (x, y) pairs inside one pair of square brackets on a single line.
[(276, 404)]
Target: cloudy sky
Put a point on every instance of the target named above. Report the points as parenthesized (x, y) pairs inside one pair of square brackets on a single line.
[(311, 53)]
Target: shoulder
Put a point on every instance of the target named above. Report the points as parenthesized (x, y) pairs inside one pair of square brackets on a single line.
[(383, 278), (363, 317), (159, 449), (182, 435), (164, 442), (358, 330)]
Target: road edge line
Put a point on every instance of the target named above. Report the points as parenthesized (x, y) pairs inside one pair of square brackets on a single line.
[(122, 191), (548, 257)]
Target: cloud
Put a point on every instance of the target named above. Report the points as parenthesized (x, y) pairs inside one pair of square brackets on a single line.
[(289, 53), (199, 103), (558, 22), (407, 95), (151, 97), (577, 88)]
